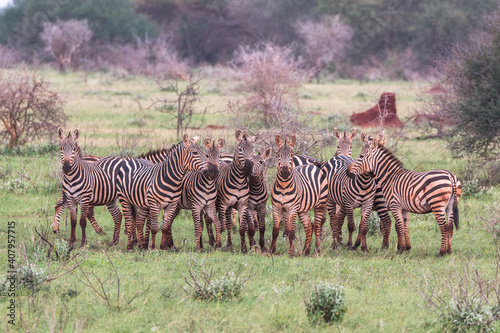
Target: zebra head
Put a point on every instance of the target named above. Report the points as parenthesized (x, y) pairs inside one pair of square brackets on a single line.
[(259, 161), (344, 142), (193, 158), (285, 155), (213, 154), (244, 151), (366, 161), (69, 149)]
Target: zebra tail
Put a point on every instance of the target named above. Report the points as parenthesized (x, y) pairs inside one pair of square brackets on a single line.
[(456, 197)]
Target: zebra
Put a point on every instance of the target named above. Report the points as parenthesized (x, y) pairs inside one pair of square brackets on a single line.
[(296, 191), (199, 194), (346, 194), (406, 191), (62, 204), (87, 183), (256, 215), (151, 187), (233, 188)]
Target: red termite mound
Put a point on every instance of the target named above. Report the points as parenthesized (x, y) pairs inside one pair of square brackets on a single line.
[(384, 114)]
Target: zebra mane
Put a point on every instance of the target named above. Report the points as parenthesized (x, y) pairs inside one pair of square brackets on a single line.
[(159, 152), (392, 157)]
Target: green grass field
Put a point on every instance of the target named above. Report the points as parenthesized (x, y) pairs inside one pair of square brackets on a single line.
[(385, 291)]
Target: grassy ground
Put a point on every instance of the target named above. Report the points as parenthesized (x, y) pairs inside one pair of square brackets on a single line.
[(385, 291)]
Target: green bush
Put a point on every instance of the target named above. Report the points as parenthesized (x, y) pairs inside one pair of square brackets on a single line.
[(374, 224), (31, 276), (225, 288), (468, 315), (327, 302)]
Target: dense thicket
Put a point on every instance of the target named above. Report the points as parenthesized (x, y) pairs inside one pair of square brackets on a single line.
[(404, 36)]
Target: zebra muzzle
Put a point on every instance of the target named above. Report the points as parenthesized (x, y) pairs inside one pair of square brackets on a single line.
[(66, 167), (212, 171), (248, 167)]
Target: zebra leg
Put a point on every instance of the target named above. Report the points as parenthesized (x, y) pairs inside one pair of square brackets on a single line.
[(73, 208), (117, 219), (250, 225), (233, 219), (152, 224), (443, 226), (93, 222), (366, 210), (225, 213), (400, 228), (451, 220), (385, 225), (308, 229), (351, 226), (261, 220), (407, 230), (211, 215), (129, 225), (242, 211), (140, 219), (59, 208), (84, 207), (340, 218), (208, 224), (319, 217), (277, 213), (198, 227), (331, 207)]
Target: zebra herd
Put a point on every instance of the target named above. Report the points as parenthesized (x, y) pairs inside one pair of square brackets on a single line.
[(215, 185)]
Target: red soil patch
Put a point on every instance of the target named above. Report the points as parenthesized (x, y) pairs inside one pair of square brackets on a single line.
[(385, 110)]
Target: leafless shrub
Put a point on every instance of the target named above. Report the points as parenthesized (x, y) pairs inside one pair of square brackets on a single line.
[(284, 118), (182, 107), (101, 286), (64, 41), (467, 299), (28, 109), (9, 56), (263, 69), (492, 225), (155, 57), (325, 41)]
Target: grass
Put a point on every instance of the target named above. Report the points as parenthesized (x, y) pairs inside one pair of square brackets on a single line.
[(384, 290)]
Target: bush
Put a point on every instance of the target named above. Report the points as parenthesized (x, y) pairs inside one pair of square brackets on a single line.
[(31, 276), (28, 108), (471, 98), (374, 224), (327, 303), (206, 287), (468, 314)]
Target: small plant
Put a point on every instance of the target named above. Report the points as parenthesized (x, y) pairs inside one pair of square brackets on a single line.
[(327, 302), (468, 314), (62, 249), (31, 276), (206, 287), (472, 188), (374, 224)]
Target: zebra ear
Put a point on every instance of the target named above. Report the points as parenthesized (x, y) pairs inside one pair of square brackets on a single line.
[(185, 138), (291, 140), (195, 139), (221, 143), (208, 142), (279, 140), (352, 135), (338, 135), (77, 134), (238, 134), (267, 153), (364, 137), (382, 140), (60, 133)]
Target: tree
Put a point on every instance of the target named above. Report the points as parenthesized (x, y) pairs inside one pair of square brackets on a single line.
[(325, 41), (471, 73), (183, 106), (64, 41), (28, 108)]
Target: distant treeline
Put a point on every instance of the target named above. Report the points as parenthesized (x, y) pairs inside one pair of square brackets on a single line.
[(397, 33)]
